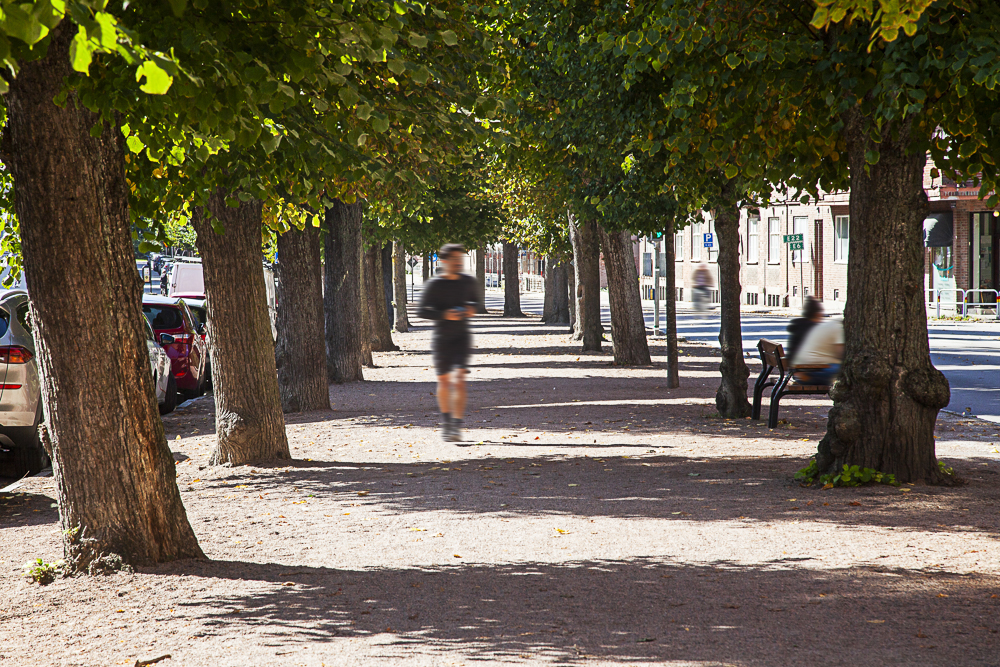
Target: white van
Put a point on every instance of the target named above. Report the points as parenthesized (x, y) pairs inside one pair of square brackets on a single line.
[(187, 278)]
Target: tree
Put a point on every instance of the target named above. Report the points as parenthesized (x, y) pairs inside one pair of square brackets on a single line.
[(115, 477), (381, 328), (586, 254), (301, 337), (628, 327), (402, 323), (512, 281), (884, 106), (342, 292), (249, 423)]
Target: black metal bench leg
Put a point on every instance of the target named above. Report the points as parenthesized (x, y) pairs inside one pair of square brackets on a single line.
[(758, 390), (776, 394)]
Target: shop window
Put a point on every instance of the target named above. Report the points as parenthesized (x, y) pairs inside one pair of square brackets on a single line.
[(841, 238)]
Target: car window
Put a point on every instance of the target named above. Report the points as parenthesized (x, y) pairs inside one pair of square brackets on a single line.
[(149, 331), (200, 315), (163, 317), (189, 317), (24, 317), (4, 321)]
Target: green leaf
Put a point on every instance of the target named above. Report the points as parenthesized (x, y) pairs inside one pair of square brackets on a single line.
[(449, 37), (419, 41), (364, 111), (157, 80), (871, 157), (396, 66), (177, 6), (81, 53), (269, 142), (380, 124), (135, 144), (732, 171), (348, 96)]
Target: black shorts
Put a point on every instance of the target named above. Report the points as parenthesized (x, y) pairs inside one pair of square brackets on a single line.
[(451, 353)]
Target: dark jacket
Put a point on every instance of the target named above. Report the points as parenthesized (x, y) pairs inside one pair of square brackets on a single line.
[(442, 294)]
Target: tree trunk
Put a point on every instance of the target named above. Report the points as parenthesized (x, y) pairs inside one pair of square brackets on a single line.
[(888, 395), (628, 327), (669, 298), (249, 425), (115, 478), (426, 267), (556, 284), (387, 282), (731, 396), (399, 286), (300, 351), (571, 284), (512, 284), (366, 317), (586, 261), (549, 293), (342, 304), (378, 316), (481, 279)]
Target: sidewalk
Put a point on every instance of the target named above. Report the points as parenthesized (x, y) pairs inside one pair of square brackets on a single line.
[(594, 517)]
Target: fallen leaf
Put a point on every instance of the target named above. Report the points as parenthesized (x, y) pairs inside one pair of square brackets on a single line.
[(574, 485), (561, 531), (362, 493), (457, 556), (876, 621), (854, 503), (288, 583)]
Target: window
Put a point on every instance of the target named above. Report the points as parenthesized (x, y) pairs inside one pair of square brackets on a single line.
[(773, 240), (163, 317), (841, 238), (696, 242), (679, 246), (647, 263), (753, 240), (24, 317), (798, 227)]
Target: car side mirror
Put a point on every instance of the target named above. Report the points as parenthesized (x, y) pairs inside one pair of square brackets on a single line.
[(202, 328), (166, 339)]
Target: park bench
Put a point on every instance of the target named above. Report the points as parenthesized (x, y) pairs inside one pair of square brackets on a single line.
[(772, 355)]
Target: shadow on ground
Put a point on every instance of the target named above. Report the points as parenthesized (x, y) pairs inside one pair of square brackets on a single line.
[(633, 611)]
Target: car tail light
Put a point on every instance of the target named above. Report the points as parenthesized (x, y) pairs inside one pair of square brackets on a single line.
[(10, 386), (15, 354)]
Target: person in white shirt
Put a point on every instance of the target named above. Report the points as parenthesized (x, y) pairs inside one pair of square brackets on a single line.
[(823, 346)]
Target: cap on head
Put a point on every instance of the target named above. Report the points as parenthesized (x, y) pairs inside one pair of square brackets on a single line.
[(448, 249)]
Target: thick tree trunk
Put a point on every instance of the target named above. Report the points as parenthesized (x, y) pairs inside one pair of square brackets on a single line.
[(888, 395), (669, 299), (571, 284), (560, 309), (586, 261), (512, 284), (342, 304), (387, 281), (399, 287), (549, 293), (731, 396), (249, 425), (115, 478), (426, 267), (628, 327), (378, 315), (481, 279), (300, 350), (366, 317)]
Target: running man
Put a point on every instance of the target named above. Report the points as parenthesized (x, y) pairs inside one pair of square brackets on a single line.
[(450, 300)]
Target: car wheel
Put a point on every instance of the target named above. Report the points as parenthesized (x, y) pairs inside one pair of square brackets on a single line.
[(170, 400), (29, 457)]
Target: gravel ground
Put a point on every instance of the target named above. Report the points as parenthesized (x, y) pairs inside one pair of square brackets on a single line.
[(593, 517)]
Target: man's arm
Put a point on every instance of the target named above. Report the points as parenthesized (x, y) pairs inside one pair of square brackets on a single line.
[(428, 309)]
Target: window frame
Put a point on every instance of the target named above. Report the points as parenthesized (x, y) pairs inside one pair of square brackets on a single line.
[(753, 240), (695, 247), (772, 234), (798, 256), (841, 244)]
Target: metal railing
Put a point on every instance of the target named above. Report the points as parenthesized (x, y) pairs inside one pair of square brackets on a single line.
[(962, 303)]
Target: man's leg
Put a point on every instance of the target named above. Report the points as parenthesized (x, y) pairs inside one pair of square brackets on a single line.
[(444, 393), (458, 394)]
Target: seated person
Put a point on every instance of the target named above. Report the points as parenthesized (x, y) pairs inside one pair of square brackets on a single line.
[(823, 346), (812, 314)]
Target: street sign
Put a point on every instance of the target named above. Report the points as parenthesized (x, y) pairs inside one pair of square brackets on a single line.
[(798, 245), (709, 240), (793, 238), (413, 262)]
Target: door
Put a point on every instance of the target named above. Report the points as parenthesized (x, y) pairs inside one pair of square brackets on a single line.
[(984, 248)]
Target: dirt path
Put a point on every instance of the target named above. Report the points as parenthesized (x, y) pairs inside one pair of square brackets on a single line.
[(594, 517)]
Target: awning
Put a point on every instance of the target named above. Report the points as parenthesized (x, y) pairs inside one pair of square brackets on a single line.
[(938, 230)]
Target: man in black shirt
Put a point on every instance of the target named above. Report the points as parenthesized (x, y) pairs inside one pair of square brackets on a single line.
[(450, 300), (812, 314)]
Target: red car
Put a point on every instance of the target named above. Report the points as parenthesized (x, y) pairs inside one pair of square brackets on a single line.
[(179, 332)]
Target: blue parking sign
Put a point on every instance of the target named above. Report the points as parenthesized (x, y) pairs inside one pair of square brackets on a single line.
[(709, 240)]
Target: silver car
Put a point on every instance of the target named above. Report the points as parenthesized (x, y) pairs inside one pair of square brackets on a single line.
[(20, 390), (159, 364)]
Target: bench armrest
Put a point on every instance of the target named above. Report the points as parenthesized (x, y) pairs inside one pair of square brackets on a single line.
[(810, 367)]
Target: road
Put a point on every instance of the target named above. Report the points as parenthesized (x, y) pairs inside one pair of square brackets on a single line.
[(968, 353)]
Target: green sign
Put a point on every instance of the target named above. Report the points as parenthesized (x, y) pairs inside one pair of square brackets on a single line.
[(797, 246), (793, 238)]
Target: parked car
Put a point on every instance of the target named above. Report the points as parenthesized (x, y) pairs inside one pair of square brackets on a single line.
[(20, 389), (163, 378), (177, 330), (199, 308)]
